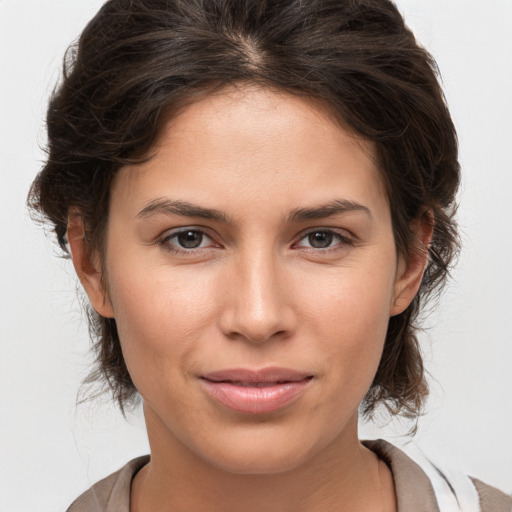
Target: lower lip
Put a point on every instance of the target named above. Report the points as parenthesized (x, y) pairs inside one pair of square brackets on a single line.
[(252, 399)]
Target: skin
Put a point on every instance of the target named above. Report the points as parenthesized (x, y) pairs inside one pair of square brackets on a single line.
[(255, 293)]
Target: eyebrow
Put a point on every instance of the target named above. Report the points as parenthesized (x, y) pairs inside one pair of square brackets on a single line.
[(337, 207), (182, 208), (186, 209)]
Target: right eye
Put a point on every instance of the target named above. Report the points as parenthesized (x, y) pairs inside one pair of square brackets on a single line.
[(186, 240)]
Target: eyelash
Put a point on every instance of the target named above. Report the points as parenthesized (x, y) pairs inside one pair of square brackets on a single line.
[(165, 241), (343, 240)]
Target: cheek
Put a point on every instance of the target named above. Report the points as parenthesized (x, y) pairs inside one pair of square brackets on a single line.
[(159, 315), (349, 316), (348, 300)]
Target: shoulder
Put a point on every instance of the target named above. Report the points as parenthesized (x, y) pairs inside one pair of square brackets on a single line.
[(491, 498), (111, 494), (423, 486)]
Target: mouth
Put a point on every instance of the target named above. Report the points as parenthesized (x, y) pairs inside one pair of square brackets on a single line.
[(255, 391)]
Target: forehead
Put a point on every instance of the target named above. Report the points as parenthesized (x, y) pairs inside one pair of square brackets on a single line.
[(255, 142)]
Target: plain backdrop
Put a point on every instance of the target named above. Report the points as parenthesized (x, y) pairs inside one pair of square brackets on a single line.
[(51, 449)]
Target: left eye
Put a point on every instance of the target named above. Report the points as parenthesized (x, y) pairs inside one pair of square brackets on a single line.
[(322, 239), (186, 239)]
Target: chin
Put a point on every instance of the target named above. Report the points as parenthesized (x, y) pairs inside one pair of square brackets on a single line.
[(262, 452)]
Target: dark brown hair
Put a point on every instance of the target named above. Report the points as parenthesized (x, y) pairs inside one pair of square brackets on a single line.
[(140, 60)]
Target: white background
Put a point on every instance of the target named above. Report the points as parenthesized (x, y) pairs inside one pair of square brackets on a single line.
[(51, 450)]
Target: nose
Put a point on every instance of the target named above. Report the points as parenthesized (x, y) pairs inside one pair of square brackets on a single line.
[(258, 304)]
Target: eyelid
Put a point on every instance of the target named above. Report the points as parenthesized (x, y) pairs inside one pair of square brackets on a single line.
[(171, 234), (345, 238), (164, 240)]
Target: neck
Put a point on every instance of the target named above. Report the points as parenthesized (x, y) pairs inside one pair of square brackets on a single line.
[(343, 476)]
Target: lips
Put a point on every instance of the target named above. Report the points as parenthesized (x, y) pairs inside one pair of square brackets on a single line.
[(255, 391)]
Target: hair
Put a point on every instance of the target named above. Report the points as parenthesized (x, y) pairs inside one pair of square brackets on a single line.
[(139, 61)]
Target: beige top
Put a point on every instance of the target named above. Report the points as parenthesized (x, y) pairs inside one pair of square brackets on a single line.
[(414, 490)]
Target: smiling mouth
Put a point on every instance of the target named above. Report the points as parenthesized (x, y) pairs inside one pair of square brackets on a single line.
[(255, 391), (255, 384)]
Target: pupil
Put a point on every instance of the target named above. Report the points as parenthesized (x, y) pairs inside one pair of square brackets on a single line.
[(320, 239), (190, 239)]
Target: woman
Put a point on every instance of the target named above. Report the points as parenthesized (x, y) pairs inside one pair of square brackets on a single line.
[(256, 197)]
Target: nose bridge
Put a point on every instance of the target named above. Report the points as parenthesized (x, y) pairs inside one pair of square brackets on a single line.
[(258, 307)]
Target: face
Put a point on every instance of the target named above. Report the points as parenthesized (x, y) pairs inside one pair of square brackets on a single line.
[(251, 270)]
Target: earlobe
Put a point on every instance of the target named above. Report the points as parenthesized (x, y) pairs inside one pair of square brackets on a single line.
[(87, 265), (410, 273)]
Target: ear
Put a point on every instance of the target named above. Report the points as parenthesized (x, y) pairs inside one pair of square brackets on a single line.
[(410, 273), (87, 265)]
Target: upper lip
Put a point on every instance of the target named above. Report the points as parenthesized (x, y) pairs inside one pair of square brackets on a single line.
[(272, 374)]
